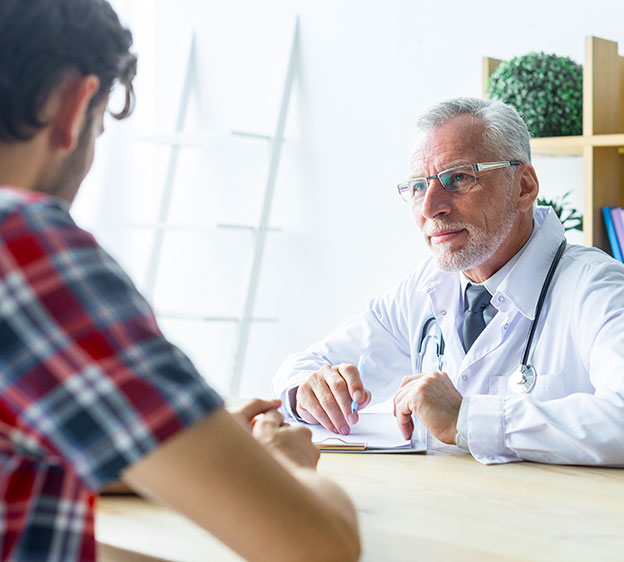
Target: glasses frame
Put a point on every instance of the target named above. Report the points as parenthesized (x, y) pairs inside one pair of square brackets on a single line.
[(407, 187)]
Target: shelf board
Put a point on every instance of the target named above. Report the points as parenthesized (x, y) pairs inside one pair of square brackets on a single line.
[(559, 146), (615, 140), (573, 146)]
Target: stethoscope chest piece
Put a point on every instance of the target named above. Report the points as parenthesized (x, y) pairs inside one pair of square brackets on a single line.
[(522, 379)]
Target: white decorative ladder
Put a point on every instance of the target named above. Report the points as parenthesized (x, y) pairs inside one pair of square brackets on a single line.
[(178, 140)]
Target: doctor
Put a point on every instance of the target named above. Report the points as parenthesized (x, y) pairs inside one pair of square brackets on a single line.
[(532, 330)]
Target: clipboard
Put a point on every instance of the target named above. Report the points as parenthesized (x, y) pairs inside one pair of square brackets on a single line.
[(374, 433)]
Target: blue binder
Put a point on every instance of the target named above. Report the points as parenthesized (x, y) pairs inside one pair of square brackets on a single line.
[(615, 245)]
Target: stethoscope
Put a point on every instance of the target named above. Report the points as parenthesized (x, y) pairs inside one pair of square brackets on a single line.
[(522, 378)]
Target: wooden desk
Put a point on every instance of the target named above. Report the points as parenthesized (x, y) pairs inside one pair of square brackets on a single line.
[(439, 506)]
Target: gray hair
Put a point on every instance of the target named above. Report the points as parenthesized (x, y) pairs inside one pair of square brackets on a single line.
[(505, 131)]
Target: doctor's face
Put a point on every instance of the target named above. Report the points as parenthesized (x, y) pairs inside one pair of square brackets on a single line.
[(465, 231)]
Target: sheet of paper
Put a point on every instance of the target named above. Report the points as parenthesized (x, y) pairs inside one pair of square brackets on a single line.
[(376, 430)]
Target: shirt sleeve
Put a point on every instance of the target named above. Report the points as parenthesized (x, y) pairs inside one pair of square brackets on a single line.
[(582, 428), (87, 376), (461, 439)]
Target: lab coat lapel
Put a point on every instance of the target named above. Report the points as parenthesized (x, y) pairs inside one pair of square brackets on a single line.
[(524, 283), (444, 292), (518, 293)]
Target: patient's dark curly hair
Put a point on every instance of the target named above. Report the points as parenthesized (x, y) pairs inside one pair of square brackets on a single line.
[(43, 40)]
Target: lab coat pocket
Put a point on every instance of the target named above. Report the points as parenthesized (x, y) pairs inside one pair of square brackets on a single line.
[(548, 386)]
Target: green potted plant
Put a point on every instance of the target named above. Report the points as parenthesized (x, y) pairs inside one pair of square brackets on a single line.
[(569, 216), (547, 91)]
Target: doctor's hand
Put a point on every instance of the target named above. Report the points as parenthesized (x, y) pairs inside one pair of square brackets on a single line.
[(326, 396), (434, 400)]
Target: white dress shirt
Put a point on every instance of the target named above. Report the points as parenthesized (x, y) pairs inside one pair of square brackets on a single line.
[(575, 412), (491, 285)]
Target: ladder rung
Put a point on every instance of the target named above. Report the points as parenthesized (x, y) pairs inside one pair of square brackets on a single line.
[(201, 139), (197, 227), (207, 318), (250, 135)]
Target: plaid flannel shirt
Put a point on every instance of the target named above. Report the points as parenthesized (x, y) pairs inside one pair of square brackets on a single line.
[(88, 384)]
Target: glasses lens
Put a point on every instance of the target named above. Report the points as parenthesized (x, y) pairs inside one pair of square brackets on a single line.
[(458, 179), (419, 186), (405, 191)]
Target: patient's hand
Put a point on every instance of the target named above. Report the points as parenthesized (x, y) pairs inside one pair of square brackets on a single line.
[(292, 444), (247, 413)]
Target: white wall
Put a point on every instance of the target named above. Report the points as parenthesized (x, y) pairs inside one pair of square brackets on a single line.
[(367, 69)]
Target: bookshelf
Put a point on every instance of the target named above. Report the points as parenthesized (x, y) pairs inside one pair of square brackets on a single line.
[(602, 141)]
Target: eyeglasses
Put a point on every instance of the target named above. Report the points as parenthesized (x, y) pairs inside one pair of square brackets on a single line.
[(455, 180)]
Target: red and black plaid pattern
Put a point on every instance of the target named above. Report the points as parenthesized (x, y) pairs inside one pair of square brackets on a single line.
[(88, 383)]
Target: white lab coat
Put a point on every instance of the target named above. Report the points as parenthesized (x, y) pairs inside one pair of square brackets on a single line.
[(575, 412)]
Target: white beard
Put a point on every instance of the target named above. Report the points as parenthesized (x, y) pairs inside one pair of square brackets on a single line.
[(480, 246)]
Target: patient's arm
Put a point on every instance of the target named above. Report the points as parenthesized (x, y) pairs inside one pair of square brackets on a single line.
[(264, 506)]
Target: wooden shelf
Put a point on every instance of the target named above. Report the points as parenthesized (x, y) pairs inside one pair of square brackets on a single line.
[(574, 146), (559, 146), (602, 142)]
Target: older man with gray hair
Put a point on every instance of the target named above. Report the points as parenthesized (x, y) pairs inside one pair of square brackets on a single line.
[(505, 341)]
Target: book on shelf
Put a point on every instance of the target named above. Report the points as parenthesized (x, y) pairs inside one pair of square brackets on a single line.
[(614, 223)]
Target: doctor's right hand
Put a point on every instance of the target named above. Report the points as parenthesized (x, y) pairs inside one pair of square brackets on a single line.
[(326, 397)]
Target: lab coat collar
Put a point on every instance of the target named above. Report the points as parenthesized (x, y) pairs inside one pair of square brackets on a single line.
[(524, 281), (432, 277)]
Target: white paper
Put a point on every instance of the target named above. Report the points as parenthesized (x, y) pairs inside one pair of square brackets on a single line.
[(376, 431)]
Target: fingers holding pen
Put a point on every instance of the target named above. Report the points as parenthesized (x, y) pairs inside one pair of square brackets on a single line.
[(339, 386), (324, 405), (355, 387), (310, 409), (316, 415), (327, 396)]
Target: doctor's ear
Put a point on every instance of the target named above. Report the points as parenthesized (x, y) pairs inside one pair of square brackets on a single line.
[(71, 108), (529, 187)]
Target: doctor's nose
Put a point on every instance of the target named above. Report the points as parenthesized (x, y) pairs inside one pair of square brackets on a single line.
[(436, 202)]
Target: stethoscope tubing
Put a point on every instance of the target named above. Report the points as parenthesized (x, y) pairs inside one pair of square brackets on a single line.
[(540, 301)]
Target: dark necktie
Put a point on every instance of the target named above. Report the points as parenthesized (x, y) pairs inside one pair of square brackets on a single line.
[(478, 298)]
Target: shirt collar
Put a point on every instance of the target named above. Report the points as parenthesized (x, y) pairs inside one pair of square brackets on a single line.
[(524, 281), (493, 282)]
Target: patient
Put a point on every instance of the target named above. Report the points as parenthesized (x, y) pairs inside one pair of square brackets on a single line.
[(91, 391)]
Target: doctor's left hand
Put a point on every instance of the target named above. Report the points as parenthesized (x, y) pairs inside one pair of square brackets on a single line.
[(434, 400)]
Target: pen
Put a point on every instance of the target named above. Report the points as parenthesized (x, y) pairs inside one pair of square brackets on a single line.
[(360, 366)]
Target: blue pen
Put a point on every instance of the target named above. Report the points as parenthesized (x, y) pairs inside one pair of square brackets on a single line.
[(360, 366)]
